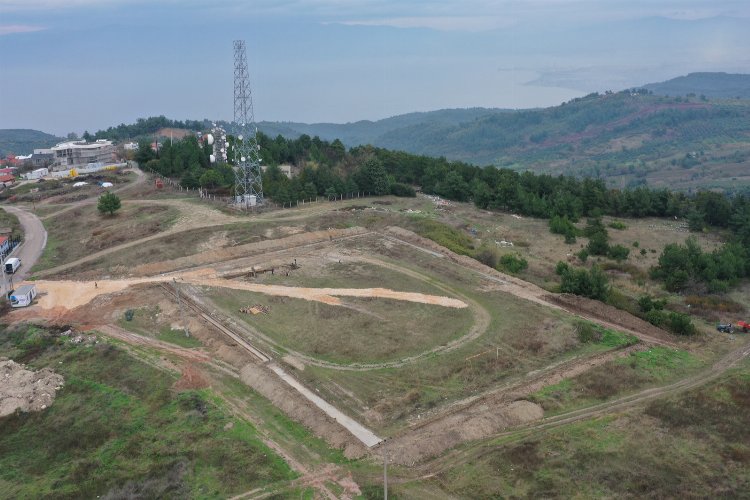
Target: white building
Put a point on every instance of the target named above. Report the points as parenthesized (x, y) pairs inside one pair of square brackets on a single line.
[(80, 153), (36, 174)]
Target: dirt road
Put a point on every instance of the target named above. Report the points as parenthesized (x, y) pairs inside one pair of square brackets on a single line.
[(71, 294), (34, 241), (464, 455)]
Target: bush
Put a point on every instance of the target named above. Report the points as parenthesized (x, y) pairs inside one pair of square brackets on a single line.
[(563, 225), (598, 244), (488, 256), (108, 203), (680, 324), (618, 252), (592, 284), (583, 255), (513, 263), (617, 225), (403, 190), (588, 333)]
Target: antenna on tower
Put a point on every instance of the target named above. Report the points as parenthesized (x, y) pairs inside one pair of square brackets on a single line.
[(248, 184)]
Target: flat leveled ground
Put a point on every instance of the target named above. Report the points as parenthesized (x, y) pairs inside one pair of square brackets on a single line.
[(405, 338)]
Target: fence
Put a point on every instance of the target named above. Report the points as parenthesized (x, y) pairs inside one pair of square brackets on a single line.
[(266, 206)]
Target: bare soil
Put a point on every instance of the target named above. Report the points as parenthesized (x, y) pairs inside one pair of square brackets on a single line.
[(26, 390)]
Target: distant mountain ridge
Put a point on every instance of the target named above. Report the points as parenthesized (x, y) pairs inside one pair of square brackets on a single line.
[(714, 85), (23, 141), (371, 132)]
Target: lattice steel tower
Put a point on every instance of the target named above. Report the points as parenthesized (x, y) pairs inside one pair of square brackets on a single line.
[(248, 183)]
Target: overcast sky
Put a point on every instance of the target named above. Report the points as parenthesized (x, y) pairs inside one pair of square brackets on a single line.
[(75, 65)]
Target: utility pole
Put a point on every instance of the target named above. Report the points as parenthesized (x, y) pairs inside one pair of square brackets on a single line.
[(385, 469), (179, 302)]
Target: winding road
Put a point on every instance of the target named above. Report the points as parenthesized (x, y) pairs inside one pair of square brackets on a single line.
[(34, 241)]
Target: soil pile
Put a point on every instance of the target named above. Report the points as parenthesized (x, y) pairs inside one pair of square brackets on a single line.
[(26, 390)]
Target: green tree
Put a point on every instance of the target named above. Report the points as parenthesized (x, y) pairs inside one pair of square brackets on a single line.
[(109, 203), (210, 179), (372, 177), (144, 153)]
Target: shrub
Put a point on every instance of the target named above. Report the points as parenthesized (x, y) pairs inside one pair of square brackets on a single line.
[(108, 203), (513, 263), (598, 244), (563, 225), (680, 324), (592, 284), (488, 256), (588, 333), (403, 190), (583, 255), (618, 252), (617, 225)]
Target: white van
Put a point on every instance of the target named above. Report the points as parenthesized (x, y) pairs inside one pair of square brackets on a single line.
[(12, 265)]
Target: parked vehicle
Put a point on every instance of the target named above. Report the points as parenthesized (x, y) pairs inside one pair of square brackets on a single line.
[(744, 326), (12, 265), (726, 328), (23, 296)]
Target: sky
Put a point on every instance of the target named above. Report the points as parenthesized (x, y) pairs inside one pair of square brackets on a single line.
[(75, 65)]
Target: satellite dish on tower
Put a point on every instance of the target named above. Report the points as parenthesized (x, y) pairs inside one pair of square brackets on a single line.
[(210, 139), (212, 158)]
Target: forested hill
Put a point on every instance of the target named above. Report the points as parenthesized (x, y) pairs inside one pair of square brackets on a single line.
[(630, 138), (371, 132), (23, 141), (716, 85)]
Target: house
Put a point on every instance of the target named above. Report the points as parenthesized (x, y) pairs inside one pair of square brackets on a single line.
[(7, 179), (4, 245)]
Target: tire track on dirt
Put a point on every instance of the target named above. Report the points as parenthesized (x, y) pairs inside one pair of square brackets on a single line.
[(455, 458)]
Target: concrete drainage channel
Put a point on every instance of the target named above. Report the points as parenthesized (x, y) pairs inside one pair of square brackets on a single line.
[(362, 433)]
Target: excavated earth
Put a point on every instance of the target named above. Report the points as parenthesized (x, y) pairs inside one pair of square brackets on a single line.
[(26, 390)]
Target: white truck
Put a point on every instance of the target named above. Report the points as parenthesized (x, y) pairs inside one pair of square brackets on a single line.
[(12, 265), (23, 296)]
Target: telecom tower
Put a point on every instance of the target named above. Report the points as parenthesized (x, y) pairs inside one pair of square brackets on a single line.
[(248, 184)]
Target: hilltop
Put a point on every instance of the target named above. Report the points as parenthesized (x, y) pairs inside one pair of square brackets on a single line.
[(714, 85), (23, 141)]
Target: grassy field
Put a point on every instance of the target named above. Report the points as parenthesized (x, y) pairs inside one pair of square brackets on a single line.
[(118, 429), (657, 365), (694, 445), (84, 231), (150, 322), (360, 330)]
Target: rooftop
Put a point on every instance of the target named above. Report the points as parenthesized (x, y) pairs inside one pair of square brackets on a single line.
[(81, 145)]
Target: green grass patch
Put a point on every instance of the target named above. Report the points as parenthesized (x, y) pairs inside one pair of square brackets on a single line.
[(693, 445), (620, 376), (117, 427), (445, 235), (150, 322), (661, 363), (178, 337)]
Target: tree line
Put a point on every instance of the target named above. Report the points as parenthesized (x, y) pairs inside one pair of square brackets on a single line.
[(327, 168)]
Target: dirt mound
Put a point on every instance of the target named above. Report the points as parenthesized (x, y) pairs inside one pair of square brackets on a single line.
[(26, 390)]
